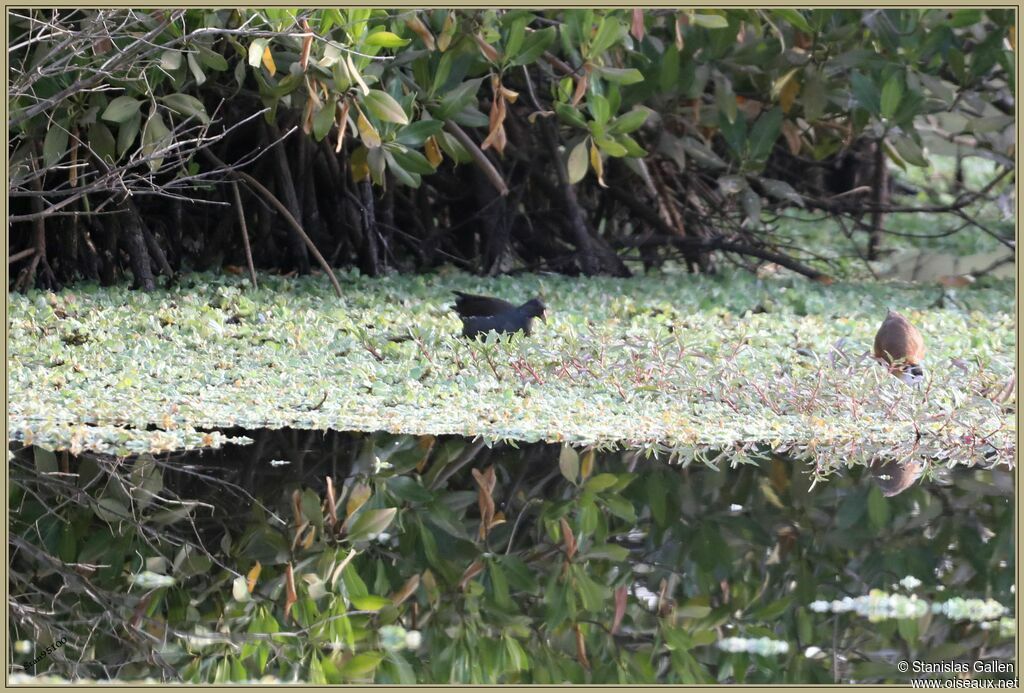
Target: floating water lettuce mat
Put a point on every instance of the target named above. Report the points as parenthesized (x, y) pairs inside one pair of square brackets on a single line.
[(716, 366)]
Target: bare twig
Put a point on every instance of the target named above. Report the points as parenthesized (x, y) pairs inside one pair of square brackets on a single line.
[(245, 234), (279, 206)]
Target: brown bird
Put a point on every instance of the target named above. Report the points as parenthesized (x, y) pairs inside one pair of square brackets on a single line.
[(901, 346), (893, 478)]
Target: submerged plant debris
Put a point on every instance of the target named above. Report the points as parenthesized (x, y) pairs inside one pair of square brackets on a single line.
[(668, 362)]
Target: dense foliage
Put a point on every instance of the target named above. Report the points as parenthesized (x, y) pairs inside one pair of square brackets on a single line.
[(575, 140), (441, 560), (669, 361), (696, 475)]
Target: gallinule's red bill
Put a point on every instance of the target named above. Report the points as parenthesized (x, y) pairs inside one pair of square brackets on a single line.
[(901, 346), (481, 314)]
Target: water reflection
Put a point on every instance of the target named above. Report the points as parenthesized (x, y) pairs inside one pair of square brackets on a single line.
[(607, 566)]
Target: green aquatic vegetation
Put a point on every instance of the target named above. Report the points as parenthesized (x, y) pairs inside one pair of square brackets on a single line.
[(715, 366)]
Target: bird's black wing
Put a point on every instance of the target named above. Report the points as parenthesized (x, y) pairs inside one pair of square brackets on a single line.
[(510, 321), (470, 305)]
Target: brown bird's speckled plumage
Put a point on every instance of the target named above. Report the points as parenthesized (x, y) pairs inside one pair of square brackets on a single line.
[(900, 345)]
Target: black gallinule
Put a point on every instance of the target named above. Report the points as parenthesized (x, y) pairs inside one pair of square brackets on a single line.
[(481, 314)]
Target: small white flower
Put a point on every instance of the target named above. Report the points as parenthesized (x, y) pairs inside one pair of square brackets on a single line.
[(820, 606), (814, 652), (413, 640), (910, 583)]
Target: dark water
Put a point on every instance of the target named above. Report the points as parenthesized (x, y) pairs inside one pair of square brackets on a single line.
[(636, 571)]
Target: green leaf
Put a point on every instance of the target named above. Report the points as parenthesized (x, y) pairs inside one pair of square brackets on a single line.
[(458, 98), (369, 602), (812, 96), (570, 115), (771, 612), (612, 552), (610, 147), (499, 584), (55, 145), (453, 148), (568, 458), (197, 71), (668, 77), (121, 109), (383, 105), (937, 87), (765, 133), (693, 609), (371, 522), (599, 108), (45, 460), (170, 60), (593, 595), (631, 146), (411, 160), (620, 507), (794, 18), (628, 122), (155, 137), (878, 508), (386, 39), (323, 120), (609, 31), (850, 510), (147, 481), (892, 94), (601, 482), (212, 59), (621, 75), (362, 664), (111, 510), (415, 134), (909, 150), (516, 34), (781, 190), (471, 117), (866, 93), (533, 45), (710, 21), (127, 132), (725, 99), (404, 177), (101, 140), (186, 105)]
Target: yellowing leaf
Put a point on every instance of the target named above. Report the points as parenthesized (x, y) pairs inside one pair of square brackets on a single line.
[(290, 596), (595, 161), (433, 152), (420, 29), (587, 464), (577, 165), (788, 94), (268, 62), (253, 576), (489, 51), (360, 494), (367, 133)]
